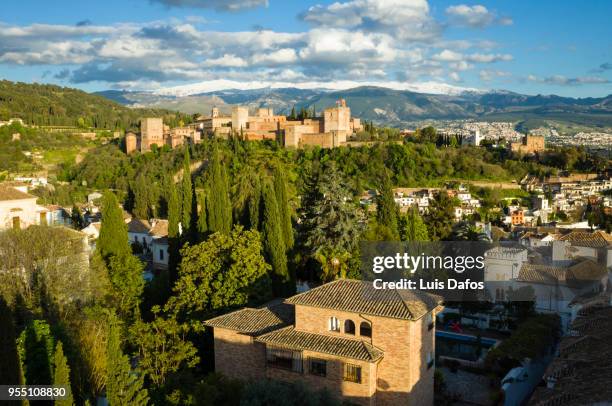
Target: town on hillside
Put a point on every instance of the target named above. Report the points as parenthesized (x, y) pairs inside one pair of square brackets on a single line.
[(306, 203)]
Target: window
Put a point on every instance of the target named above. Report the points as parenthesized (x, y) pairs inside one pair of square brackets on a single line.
[(43, 219), (161, 255), (334, 324), (365, 329), (352, 373), (317, 366), (16, 223), (284, 359), (430, 321), (349, 327)]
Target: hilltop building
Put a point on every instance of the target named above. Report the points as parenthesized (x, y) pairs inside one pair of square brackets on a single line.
[(154, 132), (371, 347), (529, 145), (330, 130)]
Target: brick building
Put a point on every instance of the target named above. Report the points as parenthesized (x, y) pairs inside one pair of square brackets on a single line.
[(329, 130), (530, 145), (154, 132), (371, 347)]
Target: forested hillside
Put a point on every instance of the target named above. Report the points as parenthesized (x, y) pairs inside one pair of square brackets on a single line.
[(62, 106)]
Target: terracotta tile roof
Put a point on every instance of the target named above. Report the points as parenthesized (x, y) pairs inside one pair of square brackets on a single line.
[(255, 321), (586, 271), (159, 229), (542, 274), (597, 239), (582, 372), (361, 297), (8, 192), (293, 339), (139, 226)]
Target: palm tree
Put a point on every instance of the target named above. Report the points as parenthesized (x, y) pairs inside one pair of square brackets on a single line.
[(469, 232)]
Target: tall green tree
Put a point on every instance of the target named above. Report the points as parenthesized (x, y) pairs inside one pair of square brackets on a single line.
[(128, 284), (220, 208), (143, 197), (222, 272), (186, 194), (35, 346), (202, 214), (123, 386), (174, 219), (10, 373), (61, 376), (254, 206), (274, 244), (280, 189), (163, 347), (113, 239), (440, 217), (330, 219), (412, 227), (387, 211)]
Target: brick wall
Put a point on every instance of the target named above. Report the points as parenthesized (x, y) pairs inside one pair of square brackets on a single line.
[(237, 356)]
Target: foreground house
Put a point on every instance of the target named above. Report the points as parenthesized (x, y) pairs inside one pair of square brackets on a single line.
[(371, 347)]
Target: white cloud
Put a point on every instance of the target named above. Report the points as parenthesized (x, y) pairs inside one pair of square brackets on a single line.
[(477, 16), (223, 5), (226, 60), (279, 57), (487, 75), (406, 19), (565, 81)]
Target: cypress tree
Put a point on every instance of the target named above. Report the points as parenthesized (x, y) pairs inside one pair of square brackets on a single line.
[(413, 227), (174, 215), (386, 209), (123, 386), (186, 194), (255, 206), (62, 375), (113, 239), (219, 206), (202, 218), (10, 373), (274, 245), (280, 189)]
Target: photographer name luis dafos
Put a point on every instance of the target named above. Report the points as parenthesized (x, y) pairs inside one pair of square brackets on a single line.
[(411, 263)]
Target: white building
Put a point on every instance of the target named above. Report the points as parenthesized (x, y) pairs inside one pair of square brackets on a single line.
[(18, 209)]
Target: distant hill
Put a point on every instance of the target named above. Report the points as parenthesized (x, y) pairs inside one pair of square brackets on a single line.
[(41, 104), (397, 107)]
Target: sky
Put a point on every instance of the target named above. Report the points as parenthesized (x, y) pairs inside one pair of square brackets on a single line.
[(526, 46)]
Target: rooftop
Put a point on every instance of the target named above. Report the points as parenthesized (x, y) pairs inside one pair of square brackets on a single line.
[(290, 338), (8, 192), (597, 239), (252, 321), (361, 297), (582, 373)]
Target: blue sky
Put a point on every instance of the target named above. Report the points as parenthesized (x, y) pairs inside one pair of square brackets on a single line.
[(548, 47)]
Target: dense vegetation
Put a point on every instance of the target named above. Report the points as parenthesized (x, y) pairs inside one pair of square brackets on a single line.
[(50, 105)]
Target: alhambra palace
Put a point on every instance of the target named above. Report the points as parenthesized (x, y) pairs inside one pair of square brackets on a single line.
[(372, 347), (329, 130)]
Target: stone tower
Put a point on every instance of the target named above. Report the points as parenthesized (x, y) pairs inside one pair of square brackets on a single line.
[(151, 132)]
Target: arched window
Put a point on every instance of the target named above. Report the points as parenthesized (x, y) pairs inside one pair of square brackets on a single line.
[(349, 327), (365, 329)]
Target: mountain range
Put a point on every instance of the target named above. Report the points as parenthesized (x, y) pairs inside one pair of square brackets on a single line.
[(389, 106)]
